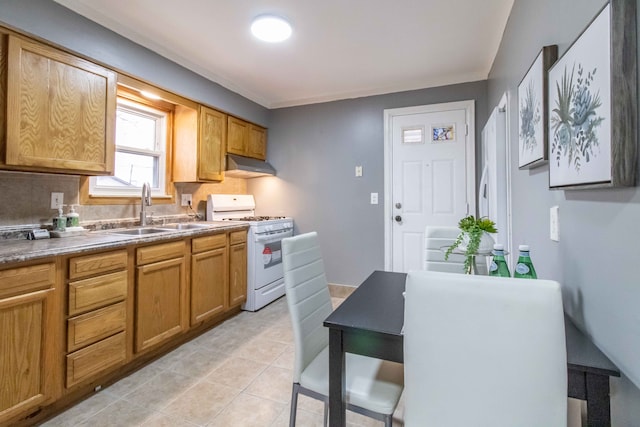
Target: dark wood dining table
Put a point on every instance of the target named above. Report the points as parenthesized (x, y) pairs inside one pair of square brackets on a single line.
[(369, 322)]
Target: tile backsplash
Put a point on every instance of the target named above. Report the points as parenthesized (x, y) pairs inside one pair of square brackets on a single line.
[(25, 198)]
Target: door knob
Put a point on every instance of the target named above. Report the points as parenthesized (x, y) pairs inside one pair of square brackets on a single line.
[(398, 218)]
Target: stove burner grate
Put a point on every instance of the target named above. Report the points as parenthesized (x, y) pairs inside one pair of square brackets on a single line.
[(254, 218)]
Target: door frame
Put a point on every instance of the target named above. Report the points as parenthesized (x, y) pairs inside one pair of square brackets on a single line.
[(503, 104), (470, 166)]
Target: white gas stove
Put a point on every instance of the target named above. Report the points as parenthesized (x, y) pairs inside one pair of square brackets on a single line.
[(265, 278)]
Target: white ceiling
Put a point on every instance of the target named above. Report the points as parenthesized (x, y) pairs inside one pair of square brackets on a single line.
[(339, 48)]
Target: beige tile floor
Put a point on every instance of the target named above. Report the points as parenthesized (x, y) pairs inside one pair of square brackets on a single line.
[(237, 374)]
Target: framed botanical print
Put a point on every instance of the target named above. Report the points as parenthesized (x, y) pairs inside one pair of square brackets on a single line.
[(592, 104), (532, 110)]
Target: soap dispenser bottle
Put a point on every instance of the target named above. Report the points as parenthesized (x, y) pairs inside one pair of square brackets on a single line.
[(60, 220), (73, 217)]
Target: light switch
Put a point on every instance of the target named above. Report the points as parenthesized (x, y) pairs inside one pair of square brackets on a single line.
[(358, 170), (554, 224), (374, 198)]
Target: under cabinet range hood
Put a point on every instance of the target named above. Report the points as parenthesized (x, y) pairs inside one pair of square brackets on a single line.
[(246, 167)]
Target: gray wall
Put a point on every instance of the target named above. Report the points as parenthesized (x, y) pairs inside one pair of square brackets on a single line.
[(50, 21), (596, 259), (315, 149)]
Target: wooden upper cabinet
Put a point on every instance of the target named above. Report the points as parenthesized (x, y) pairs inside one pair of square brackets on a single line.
[(257, 146), (213, 129), (246, 139), (60, 111), (199, 144), (237, 136)]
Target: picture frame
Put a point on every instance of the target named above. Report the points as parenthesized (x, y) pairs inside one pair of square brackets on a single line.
[(592, 128), (533, 114)]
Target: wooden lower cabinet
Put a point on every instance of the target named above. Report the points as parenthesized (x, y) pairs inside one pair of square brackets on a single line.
[(237, 274), (97, 315), (161, 294), (96, 358), (209, 277), (27, 336), (121, 307), (96, 325)]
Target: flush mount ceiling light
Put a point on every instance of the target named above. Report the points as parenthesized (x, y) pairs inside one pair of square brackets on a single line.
[(271, 28)]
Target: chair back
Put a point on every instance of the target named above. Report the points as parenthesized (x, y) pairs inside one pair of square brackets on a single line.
[(483, 351), (436, 238), (308, 298)]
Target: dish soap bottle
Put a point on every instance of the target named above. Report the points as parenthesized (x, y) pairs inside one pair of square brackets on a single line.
[(60, 220), (524, 267), (499, 265), (73, 217)]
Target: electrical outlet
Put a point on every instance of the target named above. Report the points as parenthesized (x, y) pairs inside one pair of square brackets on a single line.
[(57, 199), (374, 198), (186, 200), (358, 170)]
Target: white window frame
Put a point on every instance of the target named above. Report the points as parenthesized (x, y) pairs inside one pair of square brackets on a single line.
[(162, 123)]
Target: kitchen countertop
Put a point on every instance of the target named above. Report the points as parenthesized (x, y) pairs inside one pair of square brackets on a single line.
[(25, 250)]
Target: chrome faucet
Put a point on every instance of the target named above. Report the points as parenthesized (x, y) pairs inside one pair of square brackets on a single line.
[(145, 201)]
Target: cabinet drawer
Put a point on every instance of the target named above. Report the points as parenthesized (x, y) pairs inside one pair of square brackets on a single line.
[(96, 325), (160, 252), (21, 280), (236, 237), (96, 292), (96, 358), (90, 265), (201, 244)]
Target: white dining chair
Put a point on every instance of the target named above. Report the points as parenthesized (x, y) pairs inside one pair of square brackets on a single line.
[(483, 351), (437, 237), (373, 387)]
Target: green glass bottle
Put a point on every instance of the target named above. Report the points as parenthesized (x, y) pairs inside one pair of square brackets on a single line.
[(499, 265), (524, 267)]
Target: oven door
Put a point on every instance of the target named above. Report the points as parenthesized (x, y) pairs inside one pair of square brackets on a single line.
[(267, 258)]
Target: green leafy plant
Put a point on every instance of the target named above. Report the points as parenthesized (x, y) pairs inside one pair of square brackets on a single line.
[(474, 228)]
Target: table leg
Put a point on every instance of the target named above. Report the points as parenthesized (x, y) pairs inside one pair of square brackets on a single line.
[(598, 406), (337, 405)]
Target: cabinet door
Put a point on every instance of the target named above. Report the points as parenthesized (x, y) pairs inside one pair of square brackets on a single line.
[(25, 359), (237, 274), (3, 93), (60, 111), (161, 310), (208, 284), (257, 146), (237, 136), (212, 142)]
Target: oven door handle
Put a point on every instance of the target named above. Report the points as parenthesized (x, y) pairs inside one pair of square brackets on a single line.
[(271, 236)]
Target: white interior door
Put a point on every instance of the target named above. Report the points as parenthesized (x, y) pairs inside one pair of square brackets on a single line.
[(430, 175)]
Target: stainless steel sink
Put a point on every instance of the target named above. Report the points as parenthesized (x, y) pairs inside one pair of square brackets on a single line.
[(185, 226), (140, 231)]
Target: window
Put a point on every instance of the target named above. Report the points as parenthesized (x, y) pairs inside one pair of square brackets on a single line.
[(141, 146)]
